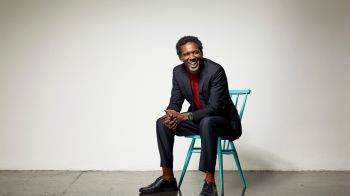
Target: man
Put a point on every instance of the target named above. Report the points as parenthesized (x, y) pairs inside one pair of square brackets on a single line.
[(203, 84)]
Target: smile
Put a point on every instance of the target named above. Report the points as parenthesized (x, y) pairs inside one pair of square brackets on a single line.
[(193, 64)]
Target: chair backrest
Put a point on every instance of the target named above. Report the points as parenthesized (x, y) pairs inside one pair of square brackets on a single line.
[(236, 95)]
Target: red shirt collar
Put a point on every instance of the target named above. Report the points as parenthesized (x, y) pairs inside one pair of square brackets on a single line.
[(193, 76)]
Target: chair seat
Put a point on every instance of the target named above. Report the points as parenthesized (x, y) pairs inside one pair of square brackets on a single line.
[(194, 136)]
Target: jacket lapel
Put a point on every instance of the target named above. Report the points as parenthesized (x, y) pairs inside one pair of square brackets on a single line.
[(187, 84), (202, 76)]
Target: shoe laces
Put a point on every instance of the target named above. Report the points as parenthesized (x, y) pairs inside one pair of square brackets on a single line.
[(153, 183)]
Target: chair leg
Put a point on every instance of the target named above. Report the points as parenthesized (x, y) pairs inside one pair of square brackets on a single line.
[(220, 166), (188, 157), (238, 164)]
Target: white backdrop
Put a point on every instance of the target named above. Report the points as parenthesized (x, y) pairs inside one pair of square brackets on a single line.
[(83, 82)]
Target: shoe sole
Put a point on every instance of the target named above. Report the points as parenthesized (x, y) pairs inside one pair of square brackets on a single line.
[(161, 191)]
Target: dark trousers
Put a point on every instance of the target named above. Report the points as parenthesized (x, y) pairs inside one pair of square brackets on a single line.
[(209, 129)]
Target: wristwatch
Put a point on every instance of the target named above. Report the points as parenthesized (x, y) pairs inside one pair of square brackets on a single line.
[(190, 116)]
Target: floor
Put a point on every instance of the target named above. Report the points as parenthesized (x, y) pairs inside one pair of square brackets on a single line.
[(100, 183)]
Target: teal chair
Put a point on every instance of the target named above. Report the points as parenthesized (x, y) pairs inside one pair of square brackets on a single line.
[(225, 147)]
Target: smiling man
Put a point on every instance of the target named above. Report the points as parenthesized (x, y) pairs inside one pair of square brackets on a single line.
[(203, 84)]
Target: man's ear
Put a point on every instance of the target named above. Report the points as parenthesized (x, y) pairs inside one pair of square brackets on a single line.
[(180, 58)]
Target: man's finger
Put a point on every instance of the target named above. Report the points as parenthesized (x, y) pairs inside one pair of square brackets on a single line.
[(170, 112), (167, 122), (175, 119), (168, 125), (172, 122), (167, 112), (174, 126), (165, 117)]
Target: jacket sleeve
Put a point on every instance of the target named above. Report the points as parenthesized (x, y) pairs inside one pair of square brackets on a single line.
[(218, 95), (176, 99)]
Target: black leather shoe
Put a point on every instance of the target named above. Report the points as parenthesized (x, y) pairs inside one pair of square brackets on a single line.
[(160, 185), (209, 189)]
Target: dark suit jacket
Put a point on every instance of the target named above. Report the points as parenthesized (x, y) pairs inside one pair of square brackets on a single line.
[(213, 93)]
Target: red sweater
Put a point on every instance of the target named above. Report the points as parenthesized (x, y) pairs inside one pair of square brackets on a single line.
[(194, 79)]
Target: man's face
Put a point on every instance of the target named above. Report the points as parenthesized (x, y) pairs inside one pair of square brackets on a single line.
[(191, 56)]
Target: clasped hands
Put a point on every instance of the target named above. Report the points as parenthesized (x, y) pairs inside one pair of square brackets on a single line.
[(173, 118)]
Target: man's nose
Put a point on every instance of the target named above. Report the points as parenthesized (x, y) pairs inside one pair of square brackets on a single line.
[(191, 56)]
